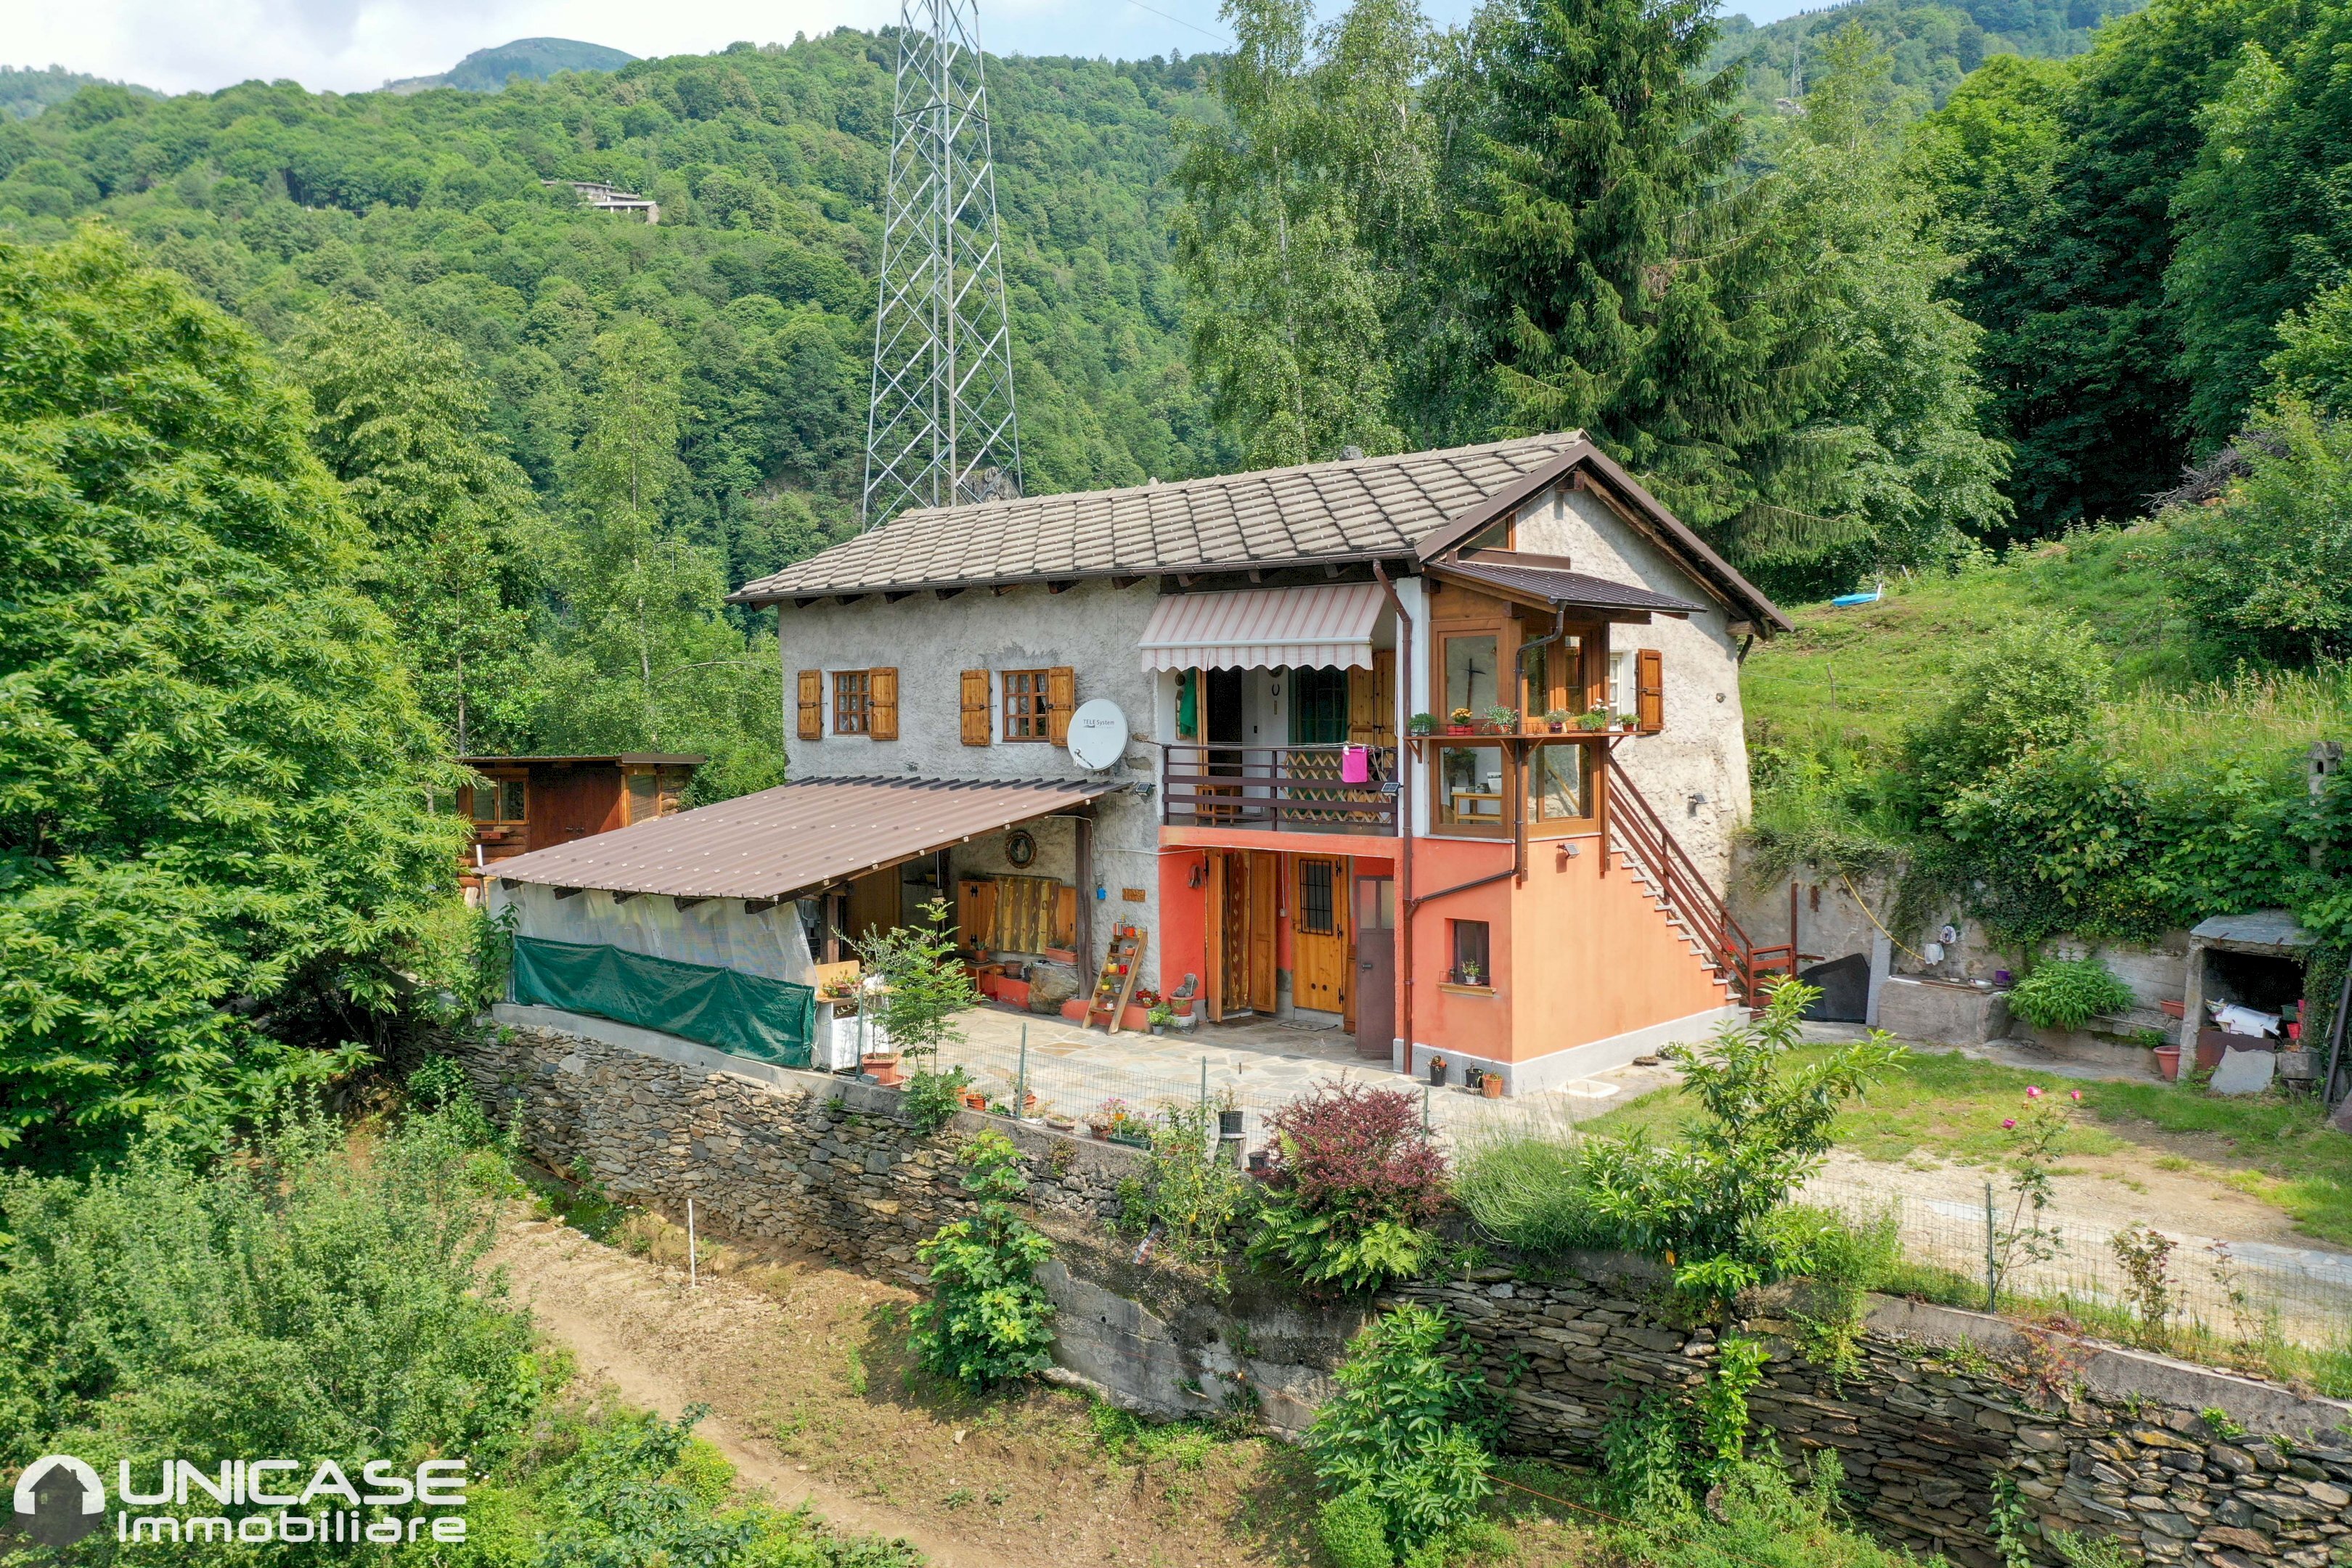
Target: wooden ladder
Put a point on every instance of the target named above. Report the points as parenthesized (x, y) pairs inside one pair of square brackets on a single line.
[(1116, 984)]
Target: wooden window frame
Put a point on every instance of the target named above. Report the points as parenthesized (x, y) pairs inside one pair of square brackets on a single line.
[(1025, 713), (851, 708), (1440, 825), (497, 783), (1563, 827)]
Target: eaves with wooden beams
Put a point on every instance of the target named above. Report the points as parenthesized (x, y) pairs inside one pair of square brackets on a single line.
[(1318, 522)]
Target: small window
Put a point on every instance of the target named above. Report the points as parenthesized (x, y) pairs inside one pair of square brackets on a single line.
[(1621, 694), (1376, 903), (1470, 786), (1026, 707), (851, 702), (1470, 966), (1558, 783), (645, 798), (498, 800)]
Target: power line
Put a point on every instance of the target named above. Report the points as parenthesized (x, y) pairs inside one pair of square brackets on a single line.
[(1214, 37)]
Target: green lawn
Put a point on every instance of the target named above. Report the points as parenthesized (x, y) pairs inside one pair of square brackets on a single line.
[(1948, 1106)]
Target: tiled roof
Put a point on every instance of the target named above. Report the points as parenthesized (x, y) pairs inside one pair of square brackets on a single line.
[(1351, 509)]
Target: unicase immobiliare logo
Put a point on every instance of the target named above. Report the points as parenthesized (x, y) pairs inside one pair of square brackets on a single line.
[(61, 1499)]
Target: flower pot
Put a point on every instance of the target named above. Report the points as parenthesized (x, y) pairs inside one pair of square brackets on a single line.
[(1491, 1085), (1099, 1133), (973, 1099), (2168, 1062), (884, 1066), (1437, 1072), (1461, 729), (1472, 1078)]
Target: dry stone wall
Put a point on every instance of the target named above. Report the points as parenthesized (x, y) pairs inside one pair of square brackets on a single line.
[(1942, 1402)]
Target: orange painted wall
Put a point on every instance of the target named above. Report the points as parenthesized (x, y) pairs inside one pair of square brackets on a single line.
[(1576, 957), (1183, 911), (1451, 1021), (1594, 955)]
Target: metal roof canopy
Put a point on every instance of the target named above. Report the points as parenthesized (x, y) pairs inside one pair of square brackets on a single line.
[(796, 838), (1538, 577), (1309, 627)]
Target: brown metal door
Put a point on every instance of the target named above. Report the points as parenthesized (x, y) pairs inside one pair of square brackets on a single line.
[(1375, 960), (1318, 933)]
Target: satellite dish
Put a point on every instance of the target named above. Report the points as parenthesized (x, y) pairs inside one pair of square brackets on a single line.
[(1097, 734)]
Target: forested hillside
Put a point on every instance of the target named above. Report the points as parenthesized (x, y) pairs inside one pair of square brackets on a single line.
[(533, 59), (1930, 47), (744, 317), (24, 92)]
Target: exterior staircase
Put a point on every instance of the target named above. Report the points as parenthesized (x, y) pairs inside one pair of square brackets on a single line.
[(1637, 838)]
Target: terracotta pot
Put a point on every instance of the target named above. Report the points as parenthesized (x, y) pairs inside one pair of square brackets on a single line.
[(2168, 1062), (1461, 729), (1492, 1085)]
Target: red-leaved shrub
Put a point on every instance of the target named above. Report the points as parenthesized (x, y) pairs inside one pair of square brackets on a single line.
[(1359, 1150)]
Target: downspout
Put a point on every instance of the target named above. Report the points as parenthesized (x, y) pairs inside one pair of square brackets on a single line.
[(1406, 669)]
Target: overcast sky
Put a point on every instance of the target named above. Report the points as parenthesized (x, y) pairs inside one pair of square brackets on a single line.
[(349, 46)]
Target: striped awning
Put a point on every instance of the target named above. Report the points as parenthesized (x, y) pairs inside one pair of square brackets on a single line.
[(1327, 624)]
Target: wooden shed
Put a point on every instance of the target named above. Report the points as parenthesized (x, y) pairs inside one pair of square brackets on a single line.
[(519, 805)]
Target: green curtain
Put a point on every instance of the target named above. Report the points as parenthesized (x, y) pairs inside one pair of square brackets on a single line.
[(743, 1015)]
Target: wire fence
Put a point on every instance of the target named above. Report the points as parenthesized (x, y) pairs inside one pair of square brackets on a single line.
[(2244, 1291)]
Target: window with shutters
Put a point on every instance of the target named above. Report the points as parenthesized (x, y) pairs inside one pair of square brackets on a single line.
[(851, 695), (1028, 714)]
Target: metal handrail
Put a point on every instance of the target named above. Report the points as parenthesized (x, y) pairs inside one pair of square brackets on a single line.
[(1680, 882)]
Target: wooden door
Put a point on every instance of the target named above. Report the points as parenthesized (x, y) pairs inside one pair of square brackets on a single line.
[(872, 904), (1320, 953), (568, 805), (1212, 978), (1263, 868), (976, 912)]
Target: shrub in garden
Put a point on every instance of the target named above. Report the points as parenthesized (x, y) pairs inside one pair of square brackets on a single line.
[(1353, 1186), (1200, 1203), (1707, 1203), (924, 983), (1408, 1435), (1353, 1531), (931, 1098), (987, 1319), (2068, 992)]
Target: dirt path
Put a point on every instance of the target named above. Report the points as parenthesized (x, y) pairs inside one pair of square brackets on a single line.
[(801, 1366)]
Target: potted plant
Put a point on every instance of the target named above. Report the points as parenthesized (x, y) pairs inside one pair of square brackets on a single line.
[(2167, 1053), (1629, 722), (1461, 721), (1491, 1085), (1470, 973), (1502, 721), (1558, 719), (1158, 1016), (1421, 724), (2059, 996), (1437, 1072), (1229, 1113), (974, 1099), (1109, 1114), (1592, 721), (883, 1066), (1473, 1078)]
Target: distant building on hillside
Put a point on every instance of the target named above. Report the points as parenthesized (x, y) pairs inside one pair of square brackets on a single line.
[(605, 199)]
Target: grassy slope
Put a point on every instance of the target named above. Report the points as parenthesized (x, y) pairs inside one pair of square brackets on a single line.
[(1856, 678)]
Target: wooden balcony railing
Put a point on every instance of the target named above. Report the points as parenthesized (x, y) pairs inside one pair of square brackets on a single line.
[(1291, 789)]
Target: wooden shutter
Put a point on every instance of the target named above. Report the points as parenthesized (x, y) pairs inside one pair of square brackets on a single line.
[(812, 705), (1649, 690), (882, 704), (1372, 701), (1061, 700), (975, 707)]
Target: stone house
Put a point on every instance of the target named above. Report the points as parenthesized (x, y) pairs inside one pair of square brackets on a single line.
[(1301, 788)]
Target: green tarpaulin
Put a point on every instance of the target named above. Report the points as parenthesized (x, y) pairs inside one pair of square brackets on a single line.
[(743, 1015)]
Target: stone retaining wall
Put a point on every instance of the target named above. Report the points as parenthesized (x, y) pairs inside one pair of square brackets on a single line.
[(2095, 1438)]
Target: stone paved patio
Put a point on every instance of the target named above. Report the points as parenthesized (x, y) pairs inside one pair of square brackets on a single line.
[(1264, 1063)]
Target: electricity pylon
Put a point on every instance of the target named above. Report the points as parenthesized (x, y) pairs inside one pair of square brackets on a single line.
[(939, 427)]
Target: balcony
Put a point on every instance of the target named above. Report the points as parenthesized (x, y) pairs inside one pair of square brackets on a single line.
[(1291, 789)]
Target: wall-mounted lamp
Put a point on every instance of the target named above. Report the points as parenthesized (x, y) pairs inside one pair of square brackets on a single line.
[(1694, 802)]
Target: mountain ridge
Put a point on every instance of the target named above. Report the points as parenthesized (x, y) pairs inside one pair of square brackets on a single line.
[(533, 59)]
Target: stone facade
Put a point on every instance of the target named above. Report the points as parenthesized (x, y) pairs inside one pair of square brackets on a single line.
[(2095, 1438)]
